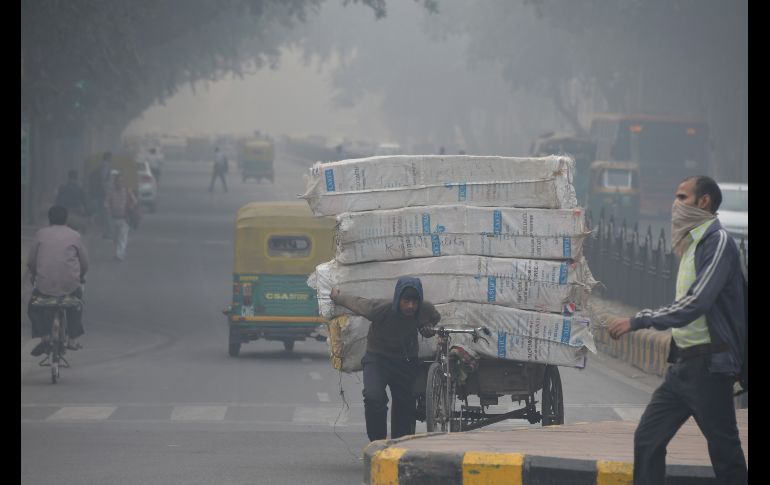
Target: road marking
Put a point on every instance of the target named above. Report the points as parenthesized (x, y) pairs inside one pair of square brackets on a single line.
[(198, 413), (217, 243), (323, 397), (303, 359), (320, 416), (629, 414), (82, 413), (315, 376)]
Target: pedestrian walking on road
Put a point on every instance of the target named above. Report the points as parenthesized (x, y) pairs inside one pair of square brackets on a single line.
[(220, 169), (391, 354), (119, 202), (72, 197), (98, 186), (708, 322)]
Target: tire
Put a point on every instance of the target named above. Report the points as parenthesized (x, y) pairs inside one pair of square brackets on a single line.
[(288, 345), (234, 344), (552, 406), (436, 405)]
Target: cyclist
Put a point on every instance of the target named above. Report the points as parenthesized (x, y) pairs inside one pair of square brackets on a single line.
[(58, 263), (391, 354)]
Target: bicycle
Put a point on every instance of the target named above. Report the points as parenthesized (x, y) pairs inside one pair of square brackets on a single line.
[(55, 309), (440, 389)]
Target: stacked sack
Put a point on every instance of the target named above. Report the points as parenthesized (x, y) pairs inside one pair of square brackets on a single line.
[(496, 241)]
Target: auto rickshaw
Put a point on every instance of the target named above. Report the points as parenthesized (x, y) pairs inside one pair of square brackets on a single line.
[(255, 158), (277, 245), (615, 187), (582, 149)]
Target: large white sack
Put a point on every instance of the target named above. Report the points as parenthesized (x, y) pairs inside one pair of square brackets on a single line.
[(521, 335), (533, 284), (410, 180), (347, 343), (417, 232)]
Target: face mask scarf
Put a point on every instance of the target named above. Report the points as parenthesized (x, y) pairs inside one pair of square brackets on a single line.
[(685, 218)]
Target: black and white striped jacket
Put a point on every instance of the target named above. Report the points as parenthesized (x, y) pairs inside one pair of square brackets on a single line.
[(717, 293)]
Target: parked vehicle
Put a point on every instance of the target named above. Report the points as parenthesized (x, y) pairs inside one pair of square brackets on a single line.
[(147, 186), (734, 210)]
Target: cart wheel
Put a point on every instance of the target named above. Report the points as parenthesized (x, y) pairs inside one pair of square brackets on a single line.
[(552, 407), (437, 407), (288, 345), (234, 345)]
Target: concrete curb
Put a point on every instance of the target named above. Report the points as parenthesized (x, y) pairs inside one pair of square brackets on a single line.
[(387, 463)]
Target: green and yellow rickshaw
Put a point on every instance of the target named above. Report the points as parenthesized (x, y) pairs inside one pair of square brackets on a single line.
[(255, 158), (277, 246), (615, 187)]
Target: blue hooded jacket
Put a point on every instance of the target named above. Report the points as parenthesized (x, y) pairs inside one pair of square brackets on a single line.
[(402, 284)]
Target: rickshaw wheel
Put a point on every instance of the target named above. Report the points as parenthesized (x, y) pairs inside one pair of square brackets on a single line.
[(552, 407), (436, 406), (234, 345), (288, 345)]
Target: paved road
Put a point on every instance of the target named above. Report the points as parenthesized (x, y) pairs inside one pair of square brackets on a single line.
[(154, 397)]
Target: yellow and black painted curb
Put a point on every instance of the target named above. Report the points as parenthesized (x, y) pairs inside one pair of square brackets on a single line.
[(386, 463)]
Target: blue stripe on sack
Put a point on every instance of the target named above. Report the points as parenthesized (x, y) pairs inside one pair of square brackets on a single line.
[(563, 274), (491, 288), (498, 222), (436, 243), (567, 247), (501, 346), (329, 180), (425, 223), (566, 330), (462, 192)]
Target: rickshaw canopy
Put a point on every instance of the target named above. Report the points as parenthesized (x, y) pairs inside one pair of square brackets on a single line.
[(281, 238)]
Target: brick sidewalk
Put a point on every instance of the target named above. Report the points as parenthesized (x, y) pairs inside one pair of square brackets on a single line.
[(585, 450)]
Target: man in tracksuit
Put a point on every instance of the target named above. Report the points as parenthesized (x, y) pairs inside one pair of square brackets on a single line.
[(708, 323), (391, 354)]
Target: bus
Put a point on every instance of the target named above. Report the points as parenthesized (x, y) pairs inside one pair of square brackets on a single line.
[(666, 149)]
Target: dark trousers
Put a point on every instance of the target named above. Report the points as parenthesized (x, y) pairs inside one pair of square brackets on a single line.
[(42, 318), (689, 389), (221, 176), (398, 374)]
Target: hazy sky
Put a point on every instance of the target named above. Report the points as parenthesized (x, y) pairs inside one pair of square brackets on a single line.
[(293, 99)]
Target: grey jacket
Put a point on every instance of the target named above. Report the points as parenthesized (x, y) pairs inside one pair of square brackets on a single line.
[(717, 293)]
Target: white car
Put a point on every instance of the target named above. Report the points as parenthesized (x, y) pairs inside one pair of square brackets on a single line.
[(147, 186), (734, 211)]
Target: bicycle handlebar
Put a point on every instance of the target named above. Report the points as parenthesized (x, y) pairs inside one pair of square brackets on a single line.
[(474, 332)]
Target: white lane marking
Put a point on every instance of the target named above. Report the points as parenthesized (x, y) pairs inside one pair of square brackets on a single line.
[(198, 413), (303, 359), (629, 414), (217, 243), (320, 416), (315, 376), (323, 397), (82, 413)]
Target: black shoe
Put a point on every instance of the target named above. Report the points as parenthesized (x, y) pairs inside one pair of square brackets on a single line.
[(40, 349)]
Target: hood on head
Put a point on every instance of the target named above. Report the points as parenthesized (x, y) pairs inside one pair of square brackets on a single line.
[(403, 283)]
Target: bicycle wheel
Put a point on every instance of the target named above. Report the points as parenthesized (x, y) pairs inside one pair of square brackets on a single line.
[(436, 405), (55, 346)]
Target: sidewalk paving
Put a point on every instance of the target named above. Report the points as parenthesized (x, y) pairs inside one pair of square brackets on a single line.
[(579, 453)]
